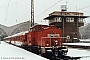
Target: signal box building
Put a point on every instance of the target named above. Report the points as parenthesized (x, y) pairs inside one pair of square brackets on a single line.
[(69, 22)]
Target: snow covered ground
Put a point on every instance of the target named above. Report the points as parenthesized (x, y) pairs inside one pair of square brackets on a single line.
[(10, 52), (78, 44), (85, 40), (85, 54)]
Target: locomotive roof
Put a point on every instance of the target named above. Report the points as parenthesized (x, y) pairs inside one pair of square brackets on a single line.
[(42, 26), (38, 25)]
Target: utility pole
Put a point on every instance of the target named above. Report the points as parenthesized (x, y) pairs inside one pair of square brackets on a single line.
[(32, 13)]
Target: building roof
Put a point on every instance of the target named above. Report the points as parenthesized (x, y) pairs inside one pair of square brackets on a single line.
[(65, 14), (52, 16)]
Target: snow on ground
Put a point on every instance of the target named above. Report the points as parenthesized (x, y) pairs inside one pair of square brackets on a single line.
[(85, 40), (18, 43), (78, 44), (73, 52), (10, 52)]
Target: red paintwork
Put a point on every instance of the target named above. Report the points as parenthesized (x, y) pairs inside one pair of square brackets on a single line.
[(38, 36)]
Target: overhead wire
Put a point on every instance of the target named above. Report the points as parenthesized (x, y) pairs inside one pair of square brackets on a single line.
[(8, 7), (79, 8), (67, 8), (15, 2), (84, 7), (25, 13), (7, 10), (2, 7), (73, 2), (10, 4), (49, 8), (16, 11), (54, 5), (37, 1)]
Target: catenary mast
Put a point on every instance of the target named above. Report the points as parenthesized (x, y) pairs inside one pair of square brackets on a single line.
[(32, 13)]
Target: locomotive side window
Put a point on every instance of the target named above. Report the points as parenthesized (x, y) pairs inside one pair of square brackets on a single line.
[(36, 29)]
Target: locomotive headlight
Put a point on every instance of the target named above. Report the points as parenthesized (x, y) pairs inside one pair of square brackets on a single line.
[(56, 42), (47, 44)]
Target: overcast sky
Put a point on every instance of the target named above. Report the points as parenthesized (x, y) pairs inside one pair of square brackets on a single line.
[(13, 12)]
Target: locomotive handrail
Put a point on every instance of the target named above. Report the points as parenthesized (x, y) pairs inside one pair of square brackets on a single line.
[(52, 37), (55, 37)]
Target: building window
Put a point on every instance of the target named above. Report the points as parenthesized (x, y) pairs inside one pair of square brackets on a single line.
[(58, 19), (80, 20), (69, 19)]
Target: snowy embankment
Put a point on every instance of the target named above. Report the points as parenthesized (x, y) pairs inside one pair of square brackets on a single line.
[(73, 52), (78, 44), (10, 52), (83, 42)]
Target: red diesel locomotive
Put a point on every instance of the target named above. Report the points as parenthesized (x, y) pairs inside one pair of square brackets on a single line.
[(41, 39)]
